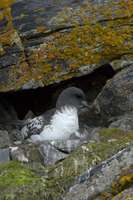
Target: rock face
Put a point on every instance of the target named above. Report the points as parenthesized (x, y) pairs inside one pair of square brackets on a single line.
[(50, 154), (115, 102), (104, 178), (17, 154), (43, 42), (5, 140), (4, 156)]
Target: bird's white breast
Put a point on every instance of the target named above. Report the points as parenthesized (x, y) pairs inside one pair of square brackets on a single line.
[(62, 125)]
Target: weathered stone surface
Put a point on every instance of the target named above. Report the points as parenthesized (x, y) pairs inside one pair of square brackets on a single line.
[(116, 98), (51, 182), (90, 134), (98, 180), (34, 35), (4, 156), (68, 145), (123, 62), (4, 139), (125, 123), (50, 154), (17, 154), (126, 194), (15, 135)]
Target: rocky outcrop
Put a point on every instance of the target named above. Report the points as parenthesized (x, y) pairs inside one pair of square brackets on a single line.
[(104, 180), (50, 154), (99, 167), (4, 156), (42, 42), (115, 102), (45, 42)]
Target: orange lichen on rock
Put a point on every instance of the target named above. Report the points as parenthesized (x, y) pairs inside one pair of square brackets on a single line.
[(40, 29), (22, 15), (8, 37), (91, 43), (125, 179), (42, 9), (38, 19), (6, 3), (84, 45), (1, 16), (87, 43)]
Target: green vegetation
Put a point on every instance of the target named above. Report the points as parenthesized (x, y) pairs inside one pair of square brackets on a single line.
[(20, 181)]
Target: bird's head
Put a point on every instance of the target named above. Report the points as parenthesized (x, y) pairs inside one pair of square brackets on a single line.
[(73, 97)]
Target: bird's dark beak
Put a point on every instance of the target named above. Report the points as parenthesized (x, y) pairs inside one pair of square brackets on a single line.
[(85, 104)]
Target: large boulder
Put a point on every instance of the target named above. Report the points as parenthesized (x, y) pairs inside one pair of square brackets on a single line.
[(42, 42), (105, 179), (115, 102)]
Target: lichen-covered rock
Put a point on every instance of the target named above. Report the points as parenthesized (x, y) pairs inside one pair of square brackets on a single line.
[(34, 181), (123, 62), (126, 194), (43, 42), (4, 156), (5, 140), (124, 123), (50, 154), (105, 179), (68, 145), (17, 154), (15, 134)]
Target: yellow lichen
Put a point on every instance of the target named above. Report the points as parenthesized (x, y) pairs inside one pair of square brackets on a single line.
[(84, 45), (6, 3), (105, 193), (125, 179), (7, 38), (42, 9), (1, 16), (120, 194), (38, 19), (40, 29), (22, 15), (7, 12)]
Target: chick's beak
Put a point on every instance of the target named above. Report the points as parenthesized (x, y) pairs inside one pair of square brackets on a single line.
[(85, 104)]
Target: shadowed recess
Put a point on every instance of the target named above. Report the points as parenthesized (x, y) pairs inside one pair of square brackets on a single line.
[(42, 99)]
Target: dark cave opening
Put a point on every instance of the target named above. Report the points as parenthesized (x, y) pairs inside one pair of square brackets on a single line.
[(42, 99)]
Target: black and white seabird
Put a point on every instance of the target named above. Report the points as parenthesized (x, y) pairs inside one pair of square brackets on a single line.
[(61, 122)]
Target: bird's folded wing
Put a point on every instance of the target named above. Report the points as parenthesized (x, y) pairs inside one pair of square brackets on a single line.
[(36, 125)]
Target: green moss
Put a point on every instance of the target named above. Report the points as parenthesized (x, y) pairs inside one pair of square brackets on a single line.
[(83, 159), (19, 181), (35, 155), (113, 133), (15, 173)]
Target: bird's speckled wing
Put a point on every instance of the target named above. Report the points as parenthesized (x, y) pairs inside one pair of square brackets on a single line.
[(36, 125)]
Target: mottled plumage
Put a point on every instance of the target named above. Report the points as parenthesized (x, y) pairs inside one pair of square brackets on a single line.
[(59, 123)]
